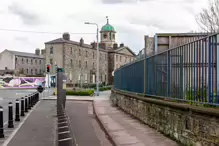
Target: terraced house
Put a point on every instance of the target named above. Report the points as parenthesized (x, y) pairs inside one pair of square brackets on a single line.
[(79, 59), (22, 63)]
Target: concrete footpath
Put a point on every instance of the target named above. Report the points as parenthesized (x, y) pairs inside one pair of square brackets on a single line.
[(123, 130), (39, 129)]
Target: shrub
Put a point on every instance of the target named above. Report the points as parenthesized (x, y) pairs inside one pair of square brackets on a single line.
[(80, 93)]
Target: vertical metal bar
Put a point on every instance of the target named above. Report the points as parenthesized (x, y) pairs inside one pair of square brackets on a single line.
[(169, 74), (181, 72), (194, 71), (217, 68), (209, 70), (202, 63)]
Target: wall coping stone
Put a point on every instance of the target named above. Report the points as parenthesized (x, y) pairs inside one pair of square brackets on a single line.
[(182, 106)]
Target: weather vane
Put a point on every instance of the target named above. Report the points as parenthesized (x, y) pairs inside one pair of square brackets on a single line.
[(107, 19)]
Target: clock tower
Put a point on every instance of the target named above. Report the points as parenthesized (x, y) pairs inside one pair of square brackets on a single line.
[(107, 35)]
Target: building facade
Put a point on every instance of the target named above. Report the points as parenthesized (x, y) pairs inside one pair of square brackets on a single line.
[(79, 60), (164, 41), (22, 62)]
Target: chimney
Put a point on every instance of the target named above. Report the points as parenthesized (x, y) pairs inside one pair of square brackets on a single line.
[(115, 46), (121, 45), (102, 45), (81, 42), (94, 44), (66, 36), (43, 52), (37, 51)]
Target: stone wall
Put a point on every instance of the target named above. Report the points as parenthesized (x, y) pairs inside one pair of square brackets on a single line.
[(189, 125)]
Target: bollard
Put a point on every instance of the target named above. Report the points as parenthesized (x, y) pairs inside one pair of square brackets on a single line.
[(29, 102), (26, 104), (22, 107), (37, 96), (31, 96), (1, 123), (17, 113), (10, 115)]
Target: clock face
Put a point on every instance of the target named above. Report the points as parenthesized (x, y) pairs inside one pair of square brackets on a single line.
[(104, 36)]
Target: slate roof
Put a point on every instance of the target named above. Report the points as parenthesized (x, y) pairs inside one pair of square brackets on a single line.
[(25, 54)]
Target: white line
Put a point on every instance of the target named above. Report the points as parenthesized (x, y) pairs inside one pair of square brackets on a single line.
[(65, 139), (62, 123), (64, 132), (63, 127), (19, 126)]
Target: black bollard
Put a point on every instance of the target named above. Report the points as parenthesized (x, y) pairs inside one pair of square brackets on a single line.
[(26, 104), (29, 102), (17, 112), (31, 96), (10, 115), (22, 107), (1, 123), (37, 96)]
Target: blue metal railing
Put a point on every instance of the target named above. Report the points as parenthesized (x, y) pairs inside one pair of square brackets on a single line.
[(188, 72)]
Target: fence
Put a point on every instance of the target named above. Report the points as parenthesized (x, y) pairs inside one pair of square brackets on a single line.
[(188, 72)]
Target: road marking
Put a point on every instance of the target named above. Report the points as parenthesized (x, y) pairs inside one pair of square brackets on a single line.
[(64, 132), (18, 127), (65, 139)]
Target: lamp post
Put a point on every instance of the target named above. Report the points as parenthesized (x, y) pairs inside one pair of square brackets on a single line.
[(97, 55)]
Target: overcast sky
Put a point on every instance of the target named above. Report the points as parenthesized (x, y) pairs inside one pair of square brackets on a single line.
[(132, 20)]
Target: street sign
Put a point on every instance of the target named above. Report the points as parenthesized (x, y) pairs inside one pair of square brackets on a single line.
[(40, 89)]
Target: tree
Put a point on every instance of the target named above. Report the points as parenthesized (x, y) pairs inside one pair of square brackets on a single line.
[(208, 18)]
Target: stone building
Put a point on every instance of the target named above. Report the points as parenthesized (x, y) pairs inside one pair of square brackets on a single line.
[(79, 59), (164, 41), (22, 62)]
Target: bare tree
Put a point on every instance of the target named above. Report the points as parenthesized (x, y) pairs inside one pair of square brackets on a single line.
[(208, 18)]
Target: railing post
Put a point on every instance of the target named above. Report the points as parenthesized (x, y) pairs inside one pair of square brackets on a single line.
[(29, 102)]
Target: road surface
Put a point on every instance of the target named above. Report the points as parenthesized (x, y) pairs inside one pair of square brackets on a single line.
[(7, 95), (86, 130)]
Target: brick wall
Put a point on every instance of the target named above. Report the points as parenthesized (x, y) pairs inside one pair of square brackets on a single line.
[(189, 125)]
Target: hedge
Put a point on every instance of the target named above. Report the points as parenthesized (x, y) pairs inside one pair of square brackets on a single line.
[(80, 93)]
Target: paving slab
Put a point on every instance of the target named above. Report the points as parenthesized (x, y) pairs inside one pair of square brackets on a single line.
[(126, 131), (39, 129)]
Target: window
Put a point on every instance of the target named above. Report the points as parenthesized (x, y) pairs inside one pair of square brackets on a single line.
[(35, 71), (22, 60), (27, 61), (31, 61), (93, 64), (105, 56), (93, 55), (71, 62), (31, 71), (40, 71), (40, 61), (50, 61), (120, 58), (27, 71), (51, 50), (79, 52), (79, 63), (71, 50), (116, 57), (86, 54), (35, 61), (86, 64), (85, 78)]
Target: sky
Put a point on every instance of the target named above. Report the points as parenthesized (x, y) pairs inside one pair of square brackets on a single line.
[(45, 20)]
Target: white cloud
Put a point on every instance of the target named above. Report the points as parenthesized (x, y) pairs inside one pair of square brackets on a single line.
[(132, 20)]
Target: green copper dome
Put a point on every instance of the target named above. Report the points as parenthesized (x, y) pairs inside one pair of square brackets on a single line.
[(108, 27)]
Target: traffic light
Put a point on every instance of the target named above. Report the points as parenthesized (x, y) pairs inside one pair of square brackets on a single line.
[(48, 68)]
